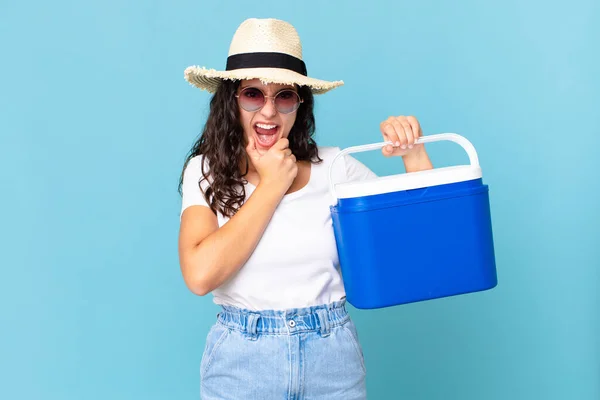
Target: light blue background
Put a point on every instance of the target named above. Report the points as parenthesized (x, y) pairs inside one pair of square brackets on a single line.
[(95, 121)]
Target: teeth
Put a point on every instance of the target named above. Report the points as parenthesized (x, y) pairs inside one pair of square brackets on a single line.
[(265, 126)]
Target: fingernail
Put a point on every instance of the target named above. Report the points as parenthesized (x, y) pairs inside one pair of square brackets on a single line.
[(410, 146), (403, 146), (397, 144)]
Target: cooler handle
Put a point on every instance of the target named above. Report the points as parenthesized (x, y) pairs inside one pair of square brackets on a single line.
[(461, 140)]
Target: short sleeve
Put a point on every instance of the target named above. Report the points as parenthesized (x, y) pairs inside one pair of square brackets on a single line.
[(357, 171), (191, 193)]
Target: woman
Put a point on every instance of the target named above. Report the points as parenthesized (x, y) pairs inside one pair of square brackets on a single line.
[(256, 227)]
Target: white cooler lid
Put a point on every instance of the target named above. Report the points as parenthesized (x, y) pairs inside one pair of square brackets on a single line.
[(407, 181)]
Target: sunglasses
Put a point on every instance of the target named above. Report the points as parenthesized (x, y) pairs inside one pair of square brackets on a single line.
[(253, 99)]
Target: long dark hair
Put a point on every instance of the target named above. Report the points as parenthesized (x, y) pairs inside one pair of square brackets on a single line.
[(222, 144)]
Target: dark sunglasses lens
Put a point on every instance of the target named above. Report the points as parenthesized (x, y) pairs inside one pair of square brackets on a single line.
[(251, 99), (287, 101)]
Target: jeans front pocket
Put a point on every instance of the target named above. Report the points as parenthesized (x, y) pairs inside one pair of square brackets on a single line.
[(215, 338), (350, 329)]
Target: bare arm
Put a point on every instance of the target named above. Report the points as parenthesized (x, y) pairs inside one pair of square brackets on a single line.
[(417, 161), (209, 255)]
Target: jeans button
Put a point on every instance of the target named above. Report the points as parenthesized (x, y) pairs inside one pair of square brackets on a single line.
[(292, 323)]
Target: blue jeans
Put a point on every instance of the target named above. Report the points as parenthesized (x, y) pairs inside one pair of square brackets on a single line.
[(297, 354)]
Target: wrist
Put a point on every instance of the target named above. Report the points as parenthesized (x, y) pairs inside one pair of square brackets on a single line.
[(417, 160), (271, 190), (415, 154)]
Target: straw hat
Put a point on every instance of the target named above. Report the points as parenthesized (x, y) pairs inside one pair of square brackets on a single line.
[(267, 49)]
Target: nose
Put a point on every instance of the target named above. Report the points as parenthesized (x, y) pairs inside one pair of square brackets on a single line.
[(269, 109)]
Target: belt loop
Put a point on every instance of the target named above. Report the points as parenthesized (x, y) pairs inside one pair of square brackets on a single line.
[(323, 322), (251, 326)]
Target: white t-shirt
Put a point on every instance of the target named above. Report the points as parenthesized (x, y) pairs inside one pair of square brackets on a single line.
[(295, 263)]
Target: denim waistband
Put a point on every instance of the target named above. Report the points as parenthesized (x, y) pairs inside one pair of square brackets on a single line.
[(296, 320)]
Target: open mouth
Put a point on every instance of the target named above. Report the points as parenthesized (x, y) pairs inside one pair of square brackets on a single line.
[(266, 134)]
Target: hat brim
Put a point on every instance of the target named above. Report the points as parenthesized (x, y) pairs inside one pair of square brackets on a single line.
[(209, 79)]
